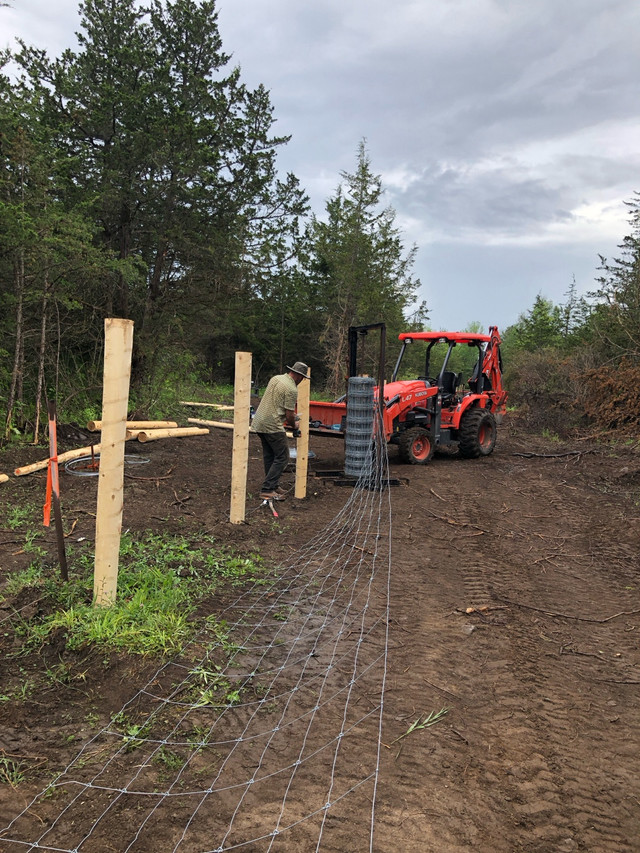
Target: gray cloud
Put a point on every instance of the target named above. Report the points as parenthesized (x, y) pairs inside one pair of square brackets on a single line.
[(495, 203), (505, 130)]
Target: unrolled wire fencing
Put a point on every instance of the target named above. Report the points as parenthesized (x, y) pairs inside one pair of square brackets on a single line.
[(262, 737)]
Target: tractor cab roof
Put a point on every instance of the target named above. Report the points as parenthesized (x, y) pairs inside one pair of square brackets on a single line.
[(446, 337)]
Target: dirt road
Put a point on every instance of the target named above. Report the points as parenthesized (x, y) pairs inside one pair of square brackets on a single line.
[(513, 605), (542, 677)]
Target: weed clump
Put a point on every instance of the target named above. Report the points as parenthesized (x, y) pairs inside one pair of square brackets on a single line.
[(162, 580)]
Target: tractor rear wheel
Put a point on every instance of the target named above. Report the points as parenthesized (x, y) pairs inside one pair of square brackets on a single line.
[(415, 446), (477, 433)]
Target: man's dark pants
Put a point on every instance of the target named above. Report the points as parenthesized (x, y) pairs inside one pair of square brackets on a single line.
[(275, 455)]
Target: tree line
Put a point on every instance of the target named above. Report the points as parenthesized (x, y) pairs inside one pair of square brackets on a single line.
[(139, 179), (577, 364)]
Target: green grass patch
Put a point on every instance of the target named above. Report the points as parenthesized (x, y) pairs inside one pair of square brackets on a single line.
[(162, 579), (19, 515)]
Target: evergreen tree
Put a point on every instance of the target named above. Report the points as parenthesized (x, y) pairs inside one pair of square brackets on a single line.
[(175, 161), (362, 272), (615, 321), (47, 254), (540, 327)]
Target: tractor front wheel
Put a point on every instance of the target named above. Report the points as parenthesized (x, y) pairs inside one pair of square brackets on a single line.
[(477, 433), (415, 446)]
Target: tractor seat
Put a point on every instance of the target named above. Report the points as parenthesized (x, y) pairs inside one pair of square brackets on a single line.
[(478, 385), (450, 382)]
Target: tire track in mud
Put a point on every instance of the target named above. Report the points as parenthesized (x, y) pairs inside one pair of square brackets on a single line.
[(562, 705), (528, 691), (530, 790)]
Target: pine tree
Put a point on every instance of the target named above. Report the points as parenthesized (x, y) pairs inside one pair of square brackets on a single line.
[(174, 160), (615, 320), (362, 271), (541, 326), (47, 254)]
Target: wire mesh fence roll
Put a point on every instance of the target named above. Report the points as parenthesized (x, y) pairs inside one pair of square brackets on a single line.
[(359, 429)]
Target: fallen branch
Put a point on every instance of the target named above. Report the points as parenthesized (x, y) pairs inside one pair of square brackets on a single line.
[(559, 554), (556, 455), (566, 651), (443, 689), (152, 479), (569, 616)]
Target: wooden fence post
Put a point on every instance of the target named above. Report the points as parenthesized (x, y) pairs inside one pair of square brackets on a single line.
[(302, 447), (115, 400), (241, 417)]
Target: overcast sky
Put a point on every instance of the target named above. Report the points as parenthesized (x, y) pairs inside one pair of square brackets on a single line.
[(506, 132)]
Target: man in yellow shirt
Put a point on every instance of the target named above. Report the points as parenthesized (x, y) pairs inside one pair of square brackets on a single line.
[(276, 411)]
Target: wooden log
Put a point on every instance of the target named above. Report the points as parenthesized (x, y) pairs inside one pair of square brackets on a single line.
[(221, 424), (96, 426), (62, 457), (134, 433), (240, 452), (153, 434), (118, 346), (211, 405), (229, 425), (302, 445), (4, 478)]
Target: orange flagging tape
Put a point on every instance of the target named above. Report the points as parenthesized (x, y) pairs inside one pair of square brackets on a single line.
[(47, 500), (53, 484)]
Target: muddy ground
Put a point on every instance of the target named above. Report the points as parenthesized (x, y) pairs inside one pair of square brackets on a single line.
[(513, 603)]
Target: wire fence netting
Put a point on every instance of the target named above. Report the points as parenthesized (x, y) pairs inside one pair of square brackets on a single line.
[(262, 737)]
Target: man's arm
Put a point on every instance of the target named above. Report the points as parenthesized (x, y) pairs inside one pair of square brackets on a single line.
[(291, 421)]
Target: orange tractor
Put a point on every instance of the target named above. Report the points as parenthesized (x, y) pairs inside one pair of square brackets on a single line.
[(439, 408)]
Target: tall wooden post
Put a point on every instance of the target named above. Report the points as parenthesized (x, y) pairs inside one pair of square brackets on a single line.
[(240, 457), (302, 449), (115, 400)]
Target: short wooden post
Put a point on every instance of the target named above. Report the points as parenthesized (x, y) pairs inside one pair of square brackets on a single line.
[(302, 448), (54, 482), (240, 457), (115, 400)]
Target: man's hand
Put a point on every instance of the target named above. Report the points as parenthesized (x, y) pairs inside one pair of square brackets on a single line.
[(296, 432)]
